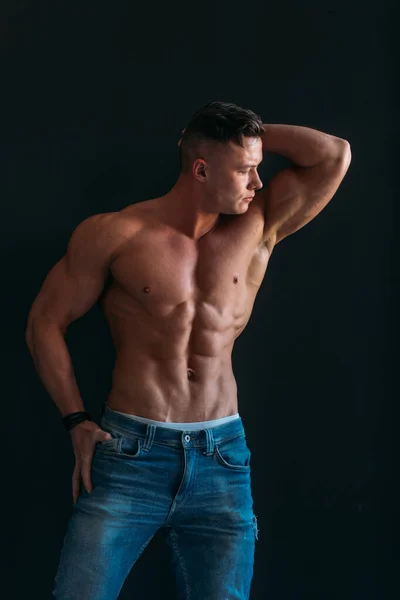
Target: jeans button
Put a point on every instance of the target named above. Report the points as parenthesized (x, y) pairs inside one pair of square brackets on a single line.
[(187, 438)]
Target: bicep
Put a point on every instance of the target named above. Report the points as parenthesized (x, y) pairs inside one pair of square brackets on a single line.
[(296, 195), (76, 281)]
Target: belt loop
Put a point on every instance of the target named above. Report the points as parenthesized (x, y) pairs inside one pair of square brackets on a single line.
[(149, 437), (210, 442)]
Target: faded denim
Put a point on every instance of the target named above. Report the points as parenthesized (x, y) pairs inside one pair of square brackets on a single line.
[(196, 485)]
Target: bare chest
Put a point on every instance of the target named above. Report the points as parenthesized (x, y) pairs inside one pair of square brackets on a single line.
[(161, 271)]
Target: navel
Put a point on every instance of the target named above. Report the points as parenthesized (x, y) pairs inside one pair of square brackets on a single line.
[(235, 279), (190, 374), (146, 290)]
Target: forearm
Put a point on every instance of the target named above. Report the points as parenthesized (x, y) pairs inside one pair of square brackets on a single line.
[(304, 146), (54, 366)]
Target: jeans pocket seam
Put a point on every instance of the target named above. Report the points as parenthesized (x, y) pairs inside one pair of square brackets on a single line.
[(228, 465)]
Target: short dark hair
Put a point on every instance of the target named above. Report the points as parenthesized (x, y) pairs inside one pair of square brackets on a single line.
[(218, 121)]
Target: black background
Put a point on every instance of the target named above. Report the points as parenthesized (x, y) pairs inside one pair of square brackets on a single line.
[(94, 97)]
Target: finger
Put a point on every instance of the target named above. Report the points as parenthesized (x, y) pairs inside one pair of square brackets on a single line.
[(75, 486), (101, 436), (86, 473)]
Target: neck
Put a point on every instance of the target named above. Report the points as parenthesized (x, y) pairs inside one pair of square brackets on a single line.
[(185, 212)]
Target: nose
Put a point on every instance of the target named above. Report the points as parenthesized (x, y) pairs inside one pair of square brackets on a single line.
[(258, 184), (257, 181)]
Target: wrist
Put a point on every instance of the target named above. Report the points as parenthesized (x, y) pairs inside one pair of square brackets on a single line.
[(73, 419)]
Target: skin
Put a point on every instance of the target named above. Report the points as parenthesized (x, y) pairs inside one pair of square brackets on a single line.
[(175, 312), (186, 268)]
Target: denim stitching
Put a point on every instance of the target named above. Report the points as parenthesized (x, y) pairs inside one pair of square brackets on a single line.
[(174, 539)]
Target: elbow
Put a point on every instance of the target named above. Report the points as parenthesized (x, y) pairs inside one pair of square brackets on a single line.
[(344, 149), (39, 326), (33, 328), (341, 154), (346, 154)]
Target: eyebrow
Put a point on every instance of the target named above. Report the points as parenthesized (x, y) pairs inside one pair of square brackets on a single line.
[(243, 166)]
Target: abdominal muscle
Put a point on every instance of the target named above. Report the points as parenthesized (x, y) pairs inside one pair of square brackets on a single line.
[(168, 391), (156, 377)]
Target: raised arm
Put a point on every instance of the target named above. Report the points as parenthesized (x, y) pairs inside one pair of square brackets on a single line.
[(296, 195)]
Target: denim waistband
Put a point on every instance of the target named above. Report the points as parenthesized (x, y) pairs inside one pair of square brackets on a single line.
[(113, 420)]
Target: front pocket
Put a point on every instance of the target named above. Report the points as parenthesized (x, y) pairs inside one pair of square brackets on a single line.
[(234, 454), (121, 445)]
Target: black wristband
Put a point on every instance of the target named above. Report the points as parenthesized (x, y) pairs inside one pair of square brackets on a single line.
[(75, 418)]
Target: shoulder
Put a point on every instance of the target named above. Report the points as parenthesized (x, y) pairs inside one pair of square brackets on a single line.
[(105, 233)]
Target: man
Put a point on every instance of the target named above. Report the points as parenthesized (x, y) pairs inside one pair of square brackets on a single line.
[(171, 451)]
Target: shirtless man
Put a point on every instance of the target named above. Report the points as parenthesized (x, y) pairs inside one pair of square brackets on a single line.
[(171, 451)]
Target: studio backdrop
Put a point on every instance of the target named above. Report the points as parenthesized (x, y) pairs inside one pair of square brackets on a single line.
[(94, 97)]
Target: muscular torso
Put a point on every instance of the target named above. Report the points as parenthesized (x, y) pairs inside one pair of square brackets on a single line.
[(175, 307)]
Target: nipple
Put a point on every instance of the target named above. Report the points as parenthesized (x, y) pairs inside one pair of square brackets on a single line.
[(146, 290)]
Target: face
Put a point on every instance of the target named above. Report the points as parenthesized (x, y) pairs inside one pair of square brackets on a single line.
[(231, 176)]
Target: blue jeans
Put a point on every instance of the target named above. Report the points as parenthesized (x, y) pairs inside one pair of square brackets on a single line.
[(193, 484)]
